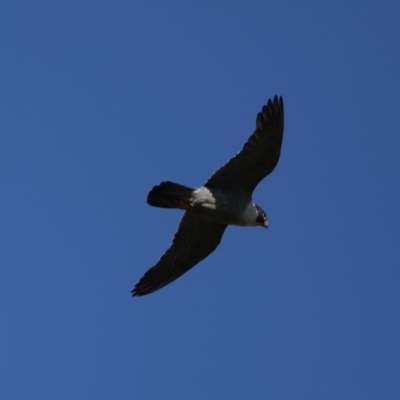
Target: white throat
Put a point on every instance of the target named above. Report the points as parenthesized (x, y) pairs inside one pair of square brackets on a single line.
[(249, 216)]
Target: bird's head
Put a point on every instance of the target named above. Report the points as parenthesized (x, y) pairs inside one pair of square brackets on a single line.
[(261, 218)]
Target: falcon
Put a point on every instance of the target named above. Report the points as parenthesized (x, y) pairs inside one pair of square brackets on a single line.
[(225, 199)]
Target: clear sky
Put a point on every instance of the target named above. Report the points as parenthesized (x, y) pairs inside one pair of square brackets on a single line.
[(100, 101)]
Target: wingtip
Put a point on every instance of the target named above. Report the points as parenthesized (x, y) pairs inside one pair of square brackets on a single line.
[(143, 288), (136, 292), (276, 100), (280, 101)]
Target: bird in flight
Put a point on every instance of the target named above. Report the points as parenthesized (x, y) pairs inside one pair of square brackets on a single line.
[(225, 199)]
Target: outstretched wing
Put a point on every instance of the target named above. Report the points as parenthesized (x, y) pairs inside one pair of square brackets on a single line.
[(195, 239), (259, 155)]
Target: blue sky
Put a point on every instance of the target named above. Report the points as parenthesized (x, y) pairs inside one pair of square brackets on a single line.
[(100, 101)]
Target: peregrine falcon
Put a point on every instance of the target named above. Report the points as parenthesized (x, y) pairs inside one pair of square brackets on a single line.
[(225, 199)]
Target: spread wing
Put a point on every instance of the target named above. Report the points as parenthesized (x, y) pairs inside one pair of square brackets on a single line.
[(259, 155), (195, 239)]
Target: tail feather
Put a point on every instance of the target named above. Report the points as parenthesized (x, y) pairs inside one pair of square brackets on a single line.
[(170, 195)]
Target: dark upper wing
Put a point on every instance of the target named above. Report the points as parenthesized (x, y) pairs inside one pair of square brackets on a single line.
[(259, 155), (195, 239)]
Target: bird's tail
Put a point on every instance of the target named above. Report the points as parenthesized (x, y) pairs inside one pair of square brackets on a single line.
[(171, 195)]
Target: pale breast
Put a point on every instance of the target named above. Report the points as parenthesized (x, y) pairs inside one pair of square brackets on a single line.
[(230, 207)]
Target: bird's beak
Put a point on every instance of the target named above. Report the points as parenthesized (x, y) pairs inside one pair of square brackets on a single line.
[(265, 224)]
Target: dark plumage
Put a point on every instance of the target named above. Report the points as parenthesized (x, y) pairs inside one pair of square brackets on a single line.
[(225, 199)]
